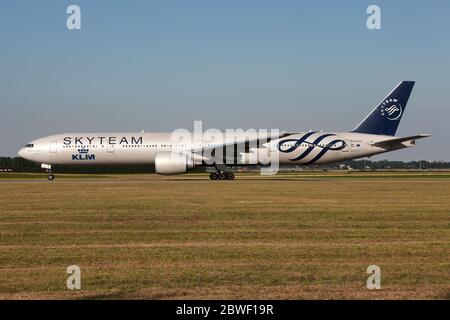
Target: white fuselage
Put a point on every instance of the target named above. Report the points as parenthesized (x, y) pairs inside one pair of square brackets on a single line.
[(141, 148)]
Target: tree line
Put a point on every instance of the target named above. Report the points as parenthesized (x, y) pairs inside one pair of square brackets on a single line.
[(21, 165)]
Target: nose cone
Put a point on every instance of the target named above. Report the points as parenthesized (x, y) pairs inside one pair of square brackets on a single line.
[(22, 153)]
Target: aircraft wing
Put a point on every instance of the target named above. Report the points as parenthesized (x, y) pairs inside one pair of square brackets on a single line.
[(244, 145), (400, 142), (252, 141)]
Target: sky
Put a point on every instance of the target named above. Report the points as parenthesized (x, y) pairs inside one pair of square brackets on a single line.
[(160, 65)]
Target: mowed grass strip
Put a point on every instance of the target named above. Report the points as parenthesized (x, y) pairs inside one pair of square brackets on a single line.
[(250, 238)]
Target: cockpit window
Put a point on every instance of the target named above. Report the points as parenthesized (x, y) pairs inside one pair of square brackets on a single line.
[(29, 145)]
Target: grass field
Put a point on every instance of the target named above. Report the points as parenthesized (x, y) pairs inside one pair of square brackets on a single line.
[(294, 236)]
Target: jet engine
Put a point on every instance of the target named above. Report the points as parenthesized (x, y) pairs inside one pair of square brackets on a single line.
[(173, 163)]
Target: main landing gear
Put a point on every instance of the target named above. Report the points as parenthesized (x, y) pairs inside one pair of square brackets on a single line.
[(221, 175)]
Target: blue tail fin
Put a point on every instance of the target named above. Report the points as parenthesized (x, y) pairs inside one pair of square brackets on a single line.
[(384, 119)]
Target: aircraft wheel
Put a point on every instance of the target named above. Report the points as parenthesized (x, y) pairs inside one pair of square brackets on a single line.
[(213, 176), (222, 175), (51, 177), (230, 175)]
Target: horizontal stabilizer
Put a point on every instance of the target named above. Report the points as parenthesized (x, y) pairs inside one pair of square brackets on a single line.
[(396, 141)]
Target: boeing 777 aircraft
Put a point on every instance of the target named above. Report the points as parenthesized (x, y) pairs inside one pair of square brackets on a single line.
[(374, 135)]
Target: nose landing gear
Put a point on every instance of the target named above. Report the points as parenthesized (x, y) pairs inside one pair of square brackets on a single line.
[(48, 168)]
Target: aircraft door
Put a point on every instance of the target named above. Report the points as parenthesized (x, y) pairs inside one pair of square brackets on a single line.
[(346, 146), (52, 146), (110, 148)]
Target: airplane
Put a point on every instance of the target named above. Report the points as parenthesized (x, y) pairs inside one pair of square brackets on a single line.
[(375, 134)]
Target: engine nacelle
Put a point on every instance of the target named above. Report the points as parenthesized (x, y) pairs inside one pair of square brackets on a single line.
[(173, 163)]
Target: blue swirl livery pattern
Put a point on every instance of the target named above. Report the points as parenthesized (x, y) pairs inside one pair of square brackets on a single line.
[(315, 145)]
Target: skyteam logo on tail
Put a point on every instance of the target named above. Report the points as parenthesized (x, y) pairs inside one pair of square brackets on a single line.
[(391, 109)]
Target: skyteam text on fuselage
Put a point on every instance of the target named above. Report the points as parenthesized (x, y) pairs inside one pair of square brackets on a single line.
[(374, 135)]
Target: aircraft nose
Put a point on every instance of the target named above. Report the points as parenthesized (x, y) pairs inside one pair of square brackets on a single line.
[(21, 153)]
